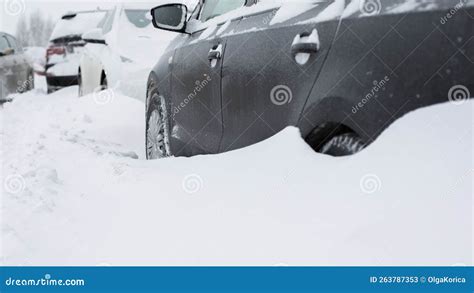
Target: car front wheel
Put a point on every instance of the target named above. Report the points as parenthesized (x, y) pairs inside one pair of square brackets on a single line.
[(157, 130), (343, 145), (79, 82)]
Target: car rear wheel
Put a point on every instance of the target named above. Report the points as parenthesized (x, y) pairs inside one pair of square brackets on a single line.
[(343, 145), (79, 82), (104, 83), (31, 81), (157, 130)]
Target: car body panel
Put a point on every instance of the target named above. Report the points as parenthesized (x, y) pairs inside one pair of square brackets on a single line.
[(124, 59), (15, 69), (385, 64), (375, 63), (196, 94), (61, 69), (265, 85)]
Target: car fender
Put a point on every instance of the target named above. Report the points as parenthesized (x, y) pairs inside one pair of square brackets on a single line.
[(334, 111), (161, 73)]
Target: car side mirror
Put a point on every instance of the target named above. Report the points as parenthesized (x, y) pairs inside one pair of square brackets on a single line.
[(171, 17), (94, 36), (7, 51)]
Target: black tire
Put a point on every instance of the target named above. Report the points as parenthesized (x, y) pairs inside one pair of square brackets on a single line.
[(156, 103), (31, 81), (79, 83), (343, 145), (104, 83)]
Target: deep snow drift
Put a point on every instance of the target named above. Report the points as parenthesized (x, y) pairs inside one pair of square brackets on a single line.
[(75, 194)]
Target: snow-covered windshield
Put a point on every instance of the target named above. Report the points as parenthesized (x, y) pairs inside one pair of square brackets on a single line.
[(139, 18), (76, 24)]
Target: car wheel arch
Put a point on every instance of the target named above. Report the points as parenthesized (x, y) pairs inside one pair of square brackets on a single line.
[(324, 132), (329, 117)]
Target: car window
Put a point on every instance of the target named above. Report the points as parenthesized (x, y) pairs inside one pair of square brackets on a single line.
[(214, 8), (109, 21), (13, 44), (137, 17), (3, 44), (103, 20)]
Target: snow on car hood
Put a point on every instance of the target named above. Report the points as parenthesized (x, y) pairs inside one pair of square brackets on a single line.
[(77, 25)]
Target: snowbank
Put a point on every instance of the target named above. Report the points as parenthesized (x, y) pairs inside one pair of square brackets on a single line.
[(83, 198)]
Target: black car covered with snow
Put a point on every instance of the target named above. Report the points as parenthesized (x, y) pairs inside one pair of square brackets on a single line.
[(342, 71)]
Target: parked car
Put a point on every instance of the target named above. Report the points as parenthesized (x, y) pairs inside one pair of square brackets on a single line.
[(117, 52), (16, 72), (66, 46), (341, 71), (38, 57)]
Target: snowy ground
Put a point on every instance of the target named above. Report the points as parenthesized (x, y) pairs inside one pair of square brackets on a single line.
[(74, 193)]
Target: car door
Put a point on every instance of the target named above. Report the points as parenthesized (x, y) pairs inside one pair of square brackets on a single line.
[(21, 64), (272, 60), (196, 81), (7, 68), (94, 54)]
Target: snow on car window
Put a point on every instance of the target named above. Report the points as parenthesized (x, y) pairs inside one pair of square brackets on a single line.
[(77, 24), (138, 17), (213, 8)]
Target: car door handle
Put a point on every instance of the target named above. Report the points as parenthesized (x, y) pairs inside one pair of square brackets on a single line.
[(306, 43), (215, 53)]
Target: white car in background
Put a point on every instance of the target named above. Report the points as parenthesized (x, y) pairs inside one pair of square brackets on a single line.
[(66, 46), (121, 52)]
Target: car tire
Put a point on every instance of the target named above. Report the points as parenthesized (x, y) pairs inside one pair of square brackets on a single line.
[(157, 126), (79, 83), (31, 81), (343, 145), (103, 82)]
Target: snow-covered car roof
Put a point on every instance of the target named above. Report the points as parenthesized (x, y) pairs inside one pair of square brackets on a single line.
[(77, 23)]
